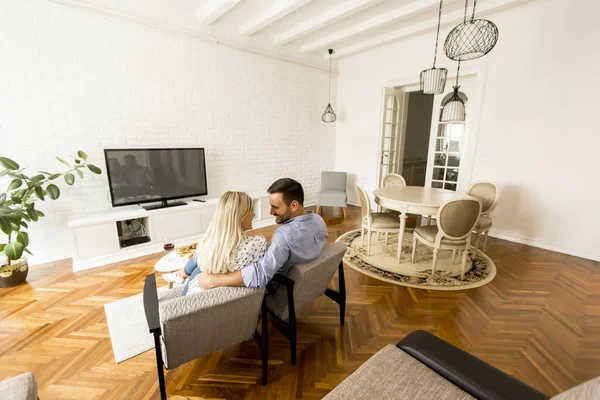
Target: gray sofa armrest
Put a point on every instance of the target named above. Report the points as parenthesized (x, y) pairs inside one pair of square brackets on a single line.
[(170, 294), (20, 387)]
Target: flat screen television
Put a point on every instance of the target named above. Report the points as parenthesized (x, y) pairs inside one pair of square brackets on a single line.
[(138, 176)]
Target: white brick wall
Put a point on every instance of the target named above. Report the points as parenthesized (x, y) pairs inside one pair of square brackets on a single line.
[(74, 80)]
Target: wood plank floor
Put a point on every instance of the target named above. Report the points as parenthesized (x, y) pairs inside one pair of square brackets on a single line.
[(539, 320)]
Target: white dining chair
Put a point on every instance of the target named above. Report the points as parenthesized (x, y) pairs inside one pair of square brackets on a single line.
[(488, 193), (375, 221), (456, 220)]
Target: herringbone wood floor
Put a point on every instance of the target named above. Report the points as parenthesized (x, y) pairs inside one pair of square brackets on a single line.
[(539, 320)]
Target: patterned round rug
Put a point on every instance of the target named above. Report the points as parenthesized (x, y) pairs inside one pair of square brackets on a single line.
[(383, 264)]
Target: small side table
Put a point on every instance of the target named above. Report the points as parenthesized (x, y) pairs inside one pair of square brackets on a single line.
[(170, 262)]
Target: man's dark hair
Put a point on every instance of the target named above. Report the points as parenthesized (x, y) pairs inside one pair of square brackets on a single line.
[(289, 188)]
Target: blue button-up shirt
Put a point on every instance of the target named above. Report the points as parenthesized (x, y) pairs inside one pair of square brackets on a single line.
[(298, 240)]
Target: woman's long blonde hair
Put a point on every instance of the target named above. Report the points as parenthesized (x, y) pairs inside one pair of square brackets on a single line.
[(224, 233)]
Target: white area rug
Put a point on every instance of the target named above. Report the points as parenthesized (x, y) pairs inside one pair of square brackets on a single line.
[(128, 328)]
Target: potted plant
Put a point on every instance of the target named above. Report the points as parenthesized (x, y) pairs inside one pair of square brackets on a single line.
[(17, 209)]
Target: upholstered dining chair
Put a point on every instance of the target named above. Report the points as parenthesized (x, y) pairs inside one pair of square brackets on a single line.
[(333, 191), (303, 283), (456, 220), (375, 221), (188, 327), (488, 193), (393, 180)]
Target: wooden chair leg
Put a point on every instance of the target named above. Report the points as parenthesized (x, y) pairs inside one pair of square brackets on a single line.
[(453, 256), (435, 257), (412, 260), (477, 232), (344, 211), (369, 243), (429, 220), (378, 236), (386, 238), (319, 210), (485, 240), (362, 237), (464, 262)]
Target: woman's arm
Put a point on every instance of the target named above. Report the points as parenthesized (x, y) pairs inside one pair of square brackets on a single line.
[(209, 281)]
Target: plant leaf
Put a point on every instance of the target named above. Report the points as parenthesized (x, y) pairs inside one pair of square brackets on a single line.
[(32, 214), (80, 173), (53, 176), (4, 172), (18, 194), (39, 192), (23, 238), (14, 184), (8, 163), (82, 155), (14, 250), (2, 245), (40, 214), (27, 251), (53, 191), (2, 198), (23, 223), (5, 225), (63, 161), (38, 178), (70, 179), (15, 227), (94, 169)]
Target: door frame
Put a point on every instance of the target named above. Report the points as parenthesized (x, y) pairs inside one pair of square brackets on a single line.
[(479, 74)]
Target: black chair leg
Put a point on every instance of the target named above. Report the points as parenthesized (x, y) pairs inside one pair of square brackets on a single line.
[(159, 367), (339, 296)]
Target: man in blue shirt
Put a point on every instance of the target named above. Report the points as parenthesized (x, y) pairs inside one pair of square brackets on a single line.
[(300, 238)]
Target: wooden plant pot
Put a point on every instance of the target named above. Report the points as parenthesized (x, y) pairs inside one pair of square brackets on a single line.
[(14, 274)]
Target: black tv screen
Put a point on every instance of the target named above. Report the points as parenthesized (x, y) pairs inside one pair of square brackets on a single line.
[(148, 175)]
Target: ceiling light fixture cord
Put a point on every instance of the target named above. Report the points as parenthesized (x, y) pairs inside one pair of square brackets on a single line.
[(330, 77), (474, 5), (437, 37), (466, 6), (457, 72)]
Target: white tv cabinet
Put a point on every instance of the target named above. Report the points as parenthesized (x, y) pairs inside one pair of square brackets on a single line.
[(96, 239)]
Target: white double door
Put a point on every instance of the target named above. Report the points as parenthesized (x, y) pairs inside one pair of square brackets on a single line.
[(451, 145)]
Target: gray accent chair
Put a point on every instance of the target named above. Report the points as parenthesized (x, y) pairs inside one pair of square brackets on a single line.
[(488, 193), (20, 387), (333, 191), (188, 327), (302, 284), (456, 220)]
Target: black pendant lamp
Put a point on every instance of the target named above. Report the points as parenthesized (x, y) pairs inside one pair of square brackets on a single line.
[(471, 39), (329, 114), (433, 80), (453, 110)]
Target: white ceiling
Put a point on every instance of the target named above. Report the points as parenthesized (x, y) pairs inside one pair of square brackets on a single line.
[(300, 30)]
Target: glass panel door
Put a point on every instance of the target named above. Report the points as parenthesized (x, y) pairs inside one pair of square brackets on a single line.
[(446, 163)]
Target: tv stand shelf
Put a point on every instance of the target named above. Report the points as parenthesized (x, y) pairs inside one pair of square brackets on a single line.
[(96, 239)]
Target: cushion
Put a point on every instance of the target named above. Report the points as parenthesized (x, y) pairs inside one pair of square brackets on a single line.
[(385, 220), (393, 374), (20, 387), (484, 223), (332, 198), (429, 232), (587, 390)]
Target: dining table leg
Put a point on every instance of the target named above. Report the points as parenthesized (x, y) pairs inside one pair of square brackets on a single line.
[(401, 234)]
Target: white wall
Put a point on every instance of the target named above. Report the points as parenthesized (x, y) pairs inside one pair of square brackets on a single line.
[(75, 80), (538, 136)]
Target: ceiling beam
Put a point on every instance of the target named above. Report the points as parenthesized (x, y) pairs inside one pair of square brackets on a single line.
[(370, 24), (450, 19), (215, 9), (272, 14), (319, 21)]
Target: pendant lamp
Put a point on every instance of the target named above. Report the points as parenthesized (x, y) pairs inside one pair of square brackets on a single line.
[(453, 110), (433, 80), (471, 39), (329, 114)]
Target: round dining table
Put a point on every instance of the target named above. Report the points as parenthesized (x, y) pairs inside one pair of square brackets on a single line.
[(412, 200)]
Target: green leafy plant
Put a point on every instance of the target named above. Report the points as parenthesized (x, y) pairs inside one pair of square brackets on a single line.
[(17, 204)]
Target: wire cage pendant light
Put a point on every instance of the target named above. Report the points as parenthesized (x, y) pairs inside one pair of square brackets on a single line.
[(433, 80), (471, 39), (329, 114), (453, 110)]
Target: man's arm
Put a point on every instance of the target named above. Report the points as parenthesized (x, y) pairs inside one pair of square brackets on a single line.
[(253, 275)]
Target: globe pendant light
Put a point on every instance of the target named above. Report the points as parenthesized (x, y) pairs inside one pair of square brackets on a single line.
[(453, 110), (471, 39), (433, 80), (329, 114)]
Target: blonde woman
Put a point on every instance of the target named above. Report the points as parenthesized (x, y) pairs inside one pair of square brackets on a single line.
[(225, 247)]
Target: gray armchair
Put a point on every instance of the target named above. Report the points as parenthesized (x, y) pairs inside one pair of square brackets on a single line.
[(333, 191), (188, 327), (303, 283), (20, 387)]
